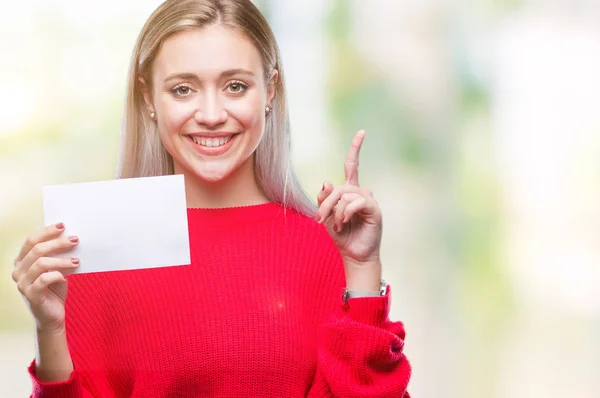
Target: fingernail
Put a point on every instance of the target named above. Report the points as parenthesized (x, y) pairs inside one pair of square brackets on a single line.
[(335, 228), (322, 189), (60, 225), (74, 239), (75, 261)]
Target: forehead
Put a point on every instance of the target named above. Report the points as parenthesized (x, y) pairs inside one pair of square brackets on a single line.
[(206, 52)]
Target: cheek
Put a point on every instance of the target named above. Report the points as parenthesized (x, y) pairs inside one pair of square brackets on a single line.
[(248, 114), (172, 116)]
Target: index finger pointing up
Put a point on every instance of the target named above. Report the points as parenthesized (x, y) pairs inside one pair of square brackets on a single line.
[(351, 163)]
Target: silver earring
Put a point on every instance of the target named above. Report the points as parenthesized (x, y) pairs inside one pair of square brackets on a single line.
[(268, 109), (152, 115)]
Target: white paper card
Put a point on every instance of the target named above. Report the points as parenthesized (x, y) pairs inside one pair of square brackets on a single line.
[(122, 224)]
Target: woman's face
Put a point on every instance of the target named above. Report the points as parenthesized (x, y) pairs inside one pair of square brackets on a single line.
[(209, 95)]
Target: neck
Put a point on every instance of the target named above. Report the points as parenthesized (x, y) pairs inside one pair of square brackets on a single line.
[(240, 188)]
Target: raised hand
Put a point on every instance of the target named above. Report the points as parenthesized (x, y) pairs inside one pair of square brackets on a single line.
[(353, 219)]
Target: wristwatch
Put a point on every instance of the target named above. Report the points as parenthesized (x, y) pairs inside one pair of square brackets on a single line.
[(348, 294)]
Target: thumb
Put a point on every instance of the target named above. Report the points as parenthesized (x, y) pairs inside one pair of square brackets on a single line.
[(325, 192)]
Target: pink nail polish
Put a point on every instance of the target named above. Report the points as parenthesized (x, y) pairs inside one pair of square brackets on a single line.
[(75, 261), (60, 226), (74, 239)]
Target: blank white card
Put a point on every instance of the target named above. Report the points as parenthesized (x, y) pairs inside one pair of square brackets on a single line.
[(123, 224)]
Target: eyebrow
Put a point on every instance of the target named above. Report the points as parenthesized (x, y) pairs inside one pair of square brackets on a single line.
[(227, 73)]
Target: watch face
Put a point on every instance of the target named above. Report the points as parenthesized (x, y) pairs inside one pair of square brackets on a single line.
[(383, 287)]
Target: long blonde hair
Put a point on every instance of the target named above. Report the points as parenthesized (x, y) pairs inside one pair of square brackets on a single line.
[(142, 153)]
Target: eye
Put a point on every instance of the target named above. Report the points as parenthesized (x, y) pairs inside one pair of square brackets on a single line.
[(181, 90), (237, 87)]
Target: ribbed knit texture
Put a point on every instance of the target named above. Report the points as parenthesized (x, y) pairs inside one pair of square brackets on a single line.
[(257, 313)]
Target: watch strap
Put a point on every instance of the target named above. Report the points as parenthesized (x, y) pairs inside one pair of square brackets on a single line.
[(348, 294)]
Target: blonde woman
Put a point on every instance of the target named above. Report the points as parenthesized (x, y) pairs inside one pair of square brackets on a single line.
[(259, 312)]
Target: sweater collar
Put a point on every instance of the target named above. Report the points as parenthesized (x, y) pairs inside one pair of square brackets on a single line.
[(233, 215)]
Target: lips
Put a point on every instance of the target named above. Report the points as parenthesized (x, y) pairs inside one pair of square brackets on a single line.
[(213, 145)]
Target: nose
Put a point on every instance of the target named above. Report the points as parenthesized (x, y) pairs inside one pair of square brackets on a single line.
[(211, 112)]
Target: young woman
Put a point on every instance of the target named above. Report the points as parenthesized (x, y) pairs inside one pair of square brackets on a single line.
[(259, 312)]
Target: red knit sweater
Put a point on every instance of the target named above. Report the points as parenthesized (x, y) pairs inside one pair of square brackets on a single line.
[(257, 313)]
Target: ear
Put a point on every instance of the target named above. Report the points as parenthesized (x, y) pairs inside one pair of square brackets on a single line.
[(146, 93), (271, 86)]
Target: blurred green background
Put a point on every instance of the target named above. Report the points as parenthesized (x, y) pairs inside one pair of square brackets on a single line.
[(482, 149)]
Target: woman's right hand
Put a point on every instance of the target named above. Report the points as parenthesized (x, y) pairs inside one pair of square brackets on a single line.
[(39, 277)]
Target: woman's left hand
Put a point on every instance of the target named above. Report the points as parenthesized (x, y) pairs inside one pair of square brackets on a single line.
[(353, 219)]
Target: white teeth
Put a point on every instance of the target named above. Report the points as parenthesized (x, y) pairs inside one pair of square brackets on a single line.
[(211, 142)]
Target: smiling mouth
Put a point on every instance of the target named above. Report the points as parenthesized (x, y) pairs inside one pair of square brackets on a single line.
[(212, 142)]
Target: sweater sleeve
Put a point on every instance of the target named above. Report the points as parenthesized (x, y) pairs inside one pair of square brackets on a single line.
[(71, 388), (360, 352)]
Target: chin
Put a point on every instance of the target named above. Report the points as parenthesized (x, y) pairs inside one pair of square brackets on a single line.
[(212, 176)]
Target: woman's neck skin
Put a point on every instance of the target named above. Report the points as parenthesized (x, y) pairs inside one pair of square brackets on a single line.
[(240, 188)]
